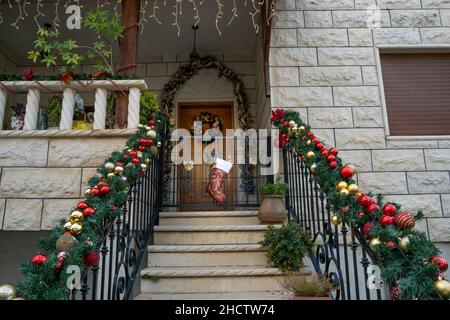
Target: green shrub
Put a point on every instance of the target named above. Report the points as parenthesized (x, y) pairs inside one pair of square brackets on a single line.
[(149, 105), (273, 189), (54, 108), (287, 246), (307, 286)]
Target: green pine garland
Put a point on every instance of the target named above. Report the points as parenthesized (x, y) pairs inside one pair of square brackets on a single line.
[(409, 269), (43, 281)]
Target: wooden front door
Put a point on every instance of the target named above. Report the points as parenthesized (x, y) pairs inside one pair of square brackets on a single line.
[(192, 184)]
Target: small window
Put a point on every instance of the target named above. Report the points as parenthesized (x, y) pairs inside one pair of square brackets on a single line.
[(417, 92)]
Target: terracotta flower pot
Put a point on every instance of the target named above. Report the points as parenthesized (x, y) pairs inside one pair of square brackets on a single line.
[(272, 210)]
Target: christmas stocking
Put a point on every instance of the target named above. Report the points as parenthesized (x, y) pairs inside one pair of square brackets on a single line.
[(217, 178)]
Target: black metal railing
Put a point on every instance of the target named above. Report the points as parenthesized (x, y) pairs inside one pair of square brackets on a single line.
[(185, 186), (124, 240), (341, 253)]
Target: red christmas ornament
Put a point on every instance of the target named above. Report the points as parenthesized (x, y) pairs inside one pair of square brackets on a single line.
[(310, 134), (315, 140), (102, 183), (346, 172), (133, 153), (366, 229), (325, 153), (104, 190), (287, 140), (389, 210), (440, 262), (135, 160), (82, 205), (373, 208), (333, 151), (404, 220), (302, 157), (283, 136), (333, 164), (365, 201), (390, 244), (113, 207), (119, 164), (386, 221), (39, 259), (331, 157), (152, 122), (91, 258), (95, 191), (286, 123), (361, 214), (319, 146), (88, 211), (141, 148)]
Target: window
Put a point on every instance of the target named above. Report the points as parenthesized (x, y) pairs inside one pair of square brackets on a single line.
[(417, 92)]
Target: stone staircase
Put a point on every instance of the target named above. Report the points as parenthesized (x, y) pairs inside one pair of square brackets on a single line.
[(209, 255)]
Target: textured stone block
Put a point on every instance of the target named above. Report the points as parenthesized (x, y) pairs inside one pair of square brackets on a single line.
[(445, 17), (301, 97), (322, 37), (345, 56), (22, 215), (444, 143), (368, 117), (411, 144), (356, 96), (326, 136), (325, 4), (347, 139), (361, 37), (435, 35), (82, 152), (318, 19), (359, 158), (56, 209), (330, 117), (288, 19), (283, 38), (285, 5), (360, 18), (398, 160), (23, 152), (438, 159), (370, 75), (439, 229), (446, 204), (292, 57), (364, 4), (429, 204), (40, 183), (415, 18), (399, 4), (435, 4), (384, 183), (396, 36), (428, 182), (284, 76), (330, 76)]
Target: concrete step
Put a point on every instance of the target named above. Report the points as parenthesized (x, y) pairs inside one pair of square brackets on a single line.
[(210, 279), (208, 218), (226, 234), (244, 295), (206, 255)]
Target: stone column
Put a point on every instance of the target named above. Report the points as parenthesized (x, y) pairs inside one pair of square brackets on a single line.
[(134, 97), (67, 109), (101, 95), (32, 109), (3, 96)]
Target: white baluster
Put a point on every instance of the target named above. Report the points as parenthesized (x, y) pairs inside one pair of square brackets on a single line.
[(100, 108), (134, 97), (32, 109), (3, 95), (68, 105)]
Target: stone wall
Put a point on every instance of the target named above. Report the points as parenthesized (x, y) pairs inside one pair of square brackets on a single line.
[(323, 64)]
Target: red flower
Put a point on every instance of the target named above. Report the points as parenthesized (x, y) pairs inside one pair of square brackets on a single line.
[(28, 75), (39, 259), (67, 77)]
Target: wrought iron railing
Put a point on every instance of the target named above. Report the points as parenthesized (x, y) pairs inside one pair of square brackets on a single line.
[(341, 253), (124, 240)]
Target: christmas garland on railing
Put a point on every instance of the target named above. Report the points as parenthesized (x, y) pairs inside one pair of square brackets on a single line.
[(76, 242), (409, 262)]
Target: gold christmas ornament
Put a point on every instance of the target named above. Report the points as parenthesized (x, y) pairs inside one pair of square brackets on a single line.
[(147, 128), (336, 220), (118, 170), (76, 216), (87, 192), (151, 134), (140, 126), (139, 154), (7, 292), (302, 128), (308, 142), (313, 168), (292, 123), (310, 154), (158, 144), (19, 298), (143, 166), (404, 243), (111, 175), (109, 166), (344, 192), (358, 195), (65, 242), (67, 226), (147, 161), (341, 185), (443, 288), (76, 228), (375, 242), (353, 188)]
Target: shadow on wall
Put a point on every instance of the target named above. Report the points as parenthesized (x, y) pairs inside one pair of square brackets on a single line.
[(15, 248)]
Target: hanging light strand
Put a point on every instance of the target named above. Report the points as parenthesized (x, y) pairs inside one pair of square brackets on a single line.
[(197, 15), (142, 18), (153, 15), (272, 12), (234, 11), (15, 24), (39, 13), (219, 15), (253, 15), (175, 14), (56, 20)]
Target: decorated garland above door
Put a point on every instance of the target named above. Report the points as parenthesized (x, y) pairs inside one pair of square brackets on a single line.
[(196, 64)]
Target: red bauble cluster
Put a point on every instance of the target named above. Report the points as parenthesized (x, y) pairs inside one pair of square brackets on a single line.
[(440, 262), (347, 172), (39, 259), (145, 142), (100, 189), (331, 157), (85, 208), (278, 114), (370, 204), (366, 229), (387, 218)]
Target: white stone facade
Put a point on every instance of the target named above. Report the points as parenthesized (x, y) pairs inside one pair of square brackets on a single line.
[(323, 63)]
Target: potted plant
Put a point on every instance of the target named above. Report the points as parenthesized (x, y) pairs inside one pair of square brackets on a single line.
[(54, 108), (272, 209), (81, 118), (287, 246), (149, 105), (18, 116), (308, 287)]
